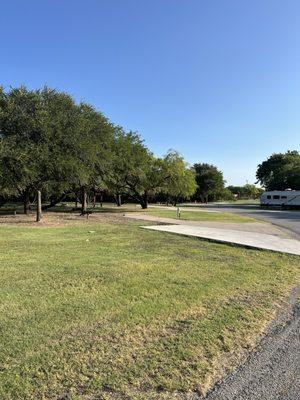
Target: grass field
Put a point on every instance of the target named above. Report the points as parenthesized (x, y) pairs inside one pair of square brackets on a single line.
[(200, 215), (231, 202), (111, 311), (168, 212)]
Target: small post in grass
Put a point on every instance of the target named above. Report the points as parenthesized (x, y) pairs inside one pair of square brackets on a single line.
[(178, 212)]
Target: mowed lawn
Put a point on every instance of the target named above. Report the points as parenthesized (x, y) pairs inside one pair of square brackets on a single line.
[(167, 212), (111, 311), (200, 215)]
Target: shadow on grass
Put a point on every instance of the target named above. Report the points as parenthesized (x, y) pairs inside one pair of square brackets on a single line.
[(17, 208)]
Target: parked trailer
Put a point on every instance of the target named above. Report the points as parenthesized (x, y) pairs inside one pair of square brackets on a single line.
[(283, 198)]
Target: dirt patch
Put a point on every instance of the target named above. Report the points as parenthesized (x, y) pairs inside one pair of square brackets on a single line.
[(53, 219)]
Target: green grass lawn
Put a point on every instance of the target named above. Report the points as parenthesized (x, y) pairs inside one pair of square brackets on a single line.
[(200, 215), (231, 202), (126, 313), (172, 213)]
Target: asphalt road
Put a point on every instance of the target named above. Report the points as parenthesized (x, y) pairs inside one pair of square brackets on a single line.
[(287, 219), (272, 372)]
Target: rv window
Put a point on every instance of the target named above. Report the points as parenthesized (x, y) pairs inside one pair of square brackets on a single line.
[(276, 197), (284, 197), (269, 197)]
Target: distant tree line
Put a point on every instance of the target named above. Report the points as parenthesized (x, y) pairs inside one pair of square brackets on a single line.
[(280, 171), (248, 191)]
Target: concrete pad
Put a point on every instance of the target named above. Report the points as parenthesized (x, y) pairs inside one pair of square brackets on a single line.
[(249, 239), (260, 227)]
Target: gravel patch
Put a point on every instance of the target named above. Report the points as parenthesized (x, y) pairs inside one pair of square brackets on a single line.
[(272, 371)]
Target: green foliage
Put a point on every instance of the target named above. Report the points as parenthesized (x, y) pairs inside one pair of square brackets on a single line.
[(210, 182), (22, 143), (251, 191), (50, 143), (225, 194), (132, 168), (280, 171), (139, 174), (247, 191), (180, 182)]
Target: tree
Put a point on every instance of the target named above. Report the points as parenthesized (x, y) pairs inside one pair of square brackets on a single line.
[(251, 191), (94, 159), (123, 147), (225, 194), (51, 147), (22, 146), (210, 182), (136, 172), (50, 144), (247, 191), (140, 175), (280, 171), (237, 191), (181, 182)]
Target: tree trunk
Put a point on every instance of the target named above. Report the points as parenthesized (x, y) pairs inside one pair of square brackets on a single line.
[(76, 203), (119, 200), (26, 202), (101, 199), (94, 200), (39, 215), (84, 201), (144, 201), (144, 204)]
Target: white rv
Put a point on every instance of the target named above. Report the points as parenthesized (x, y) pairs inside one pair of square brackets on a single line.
[(283, 198)]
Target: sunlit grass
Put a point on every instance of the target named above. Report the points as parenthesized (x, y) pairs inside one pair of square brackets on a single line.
[(112, 310), (200, 215)]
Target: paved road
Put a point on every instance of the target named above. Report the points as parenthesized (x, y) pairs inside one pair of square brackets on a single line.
[(286, 219), (273, 371)]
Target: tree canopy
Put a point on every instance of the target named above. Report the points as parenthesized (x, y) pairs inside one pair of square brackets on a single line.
[(210, 182), (248, 191), (51, 144), (280, 171)]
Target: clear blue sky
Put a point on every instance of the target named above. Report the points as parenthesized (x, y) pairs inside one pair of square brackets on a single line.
[(217, 80)]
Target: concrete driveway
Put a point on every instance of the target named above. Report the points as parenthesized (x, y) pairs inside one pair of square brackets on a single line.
[(289, 220), (240, 237)]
